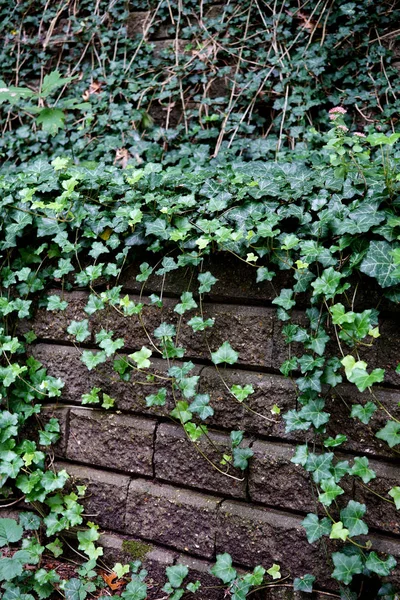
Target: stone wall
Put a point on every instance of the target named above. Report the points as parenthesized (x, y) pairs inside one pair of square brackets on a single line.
[(148, 483)]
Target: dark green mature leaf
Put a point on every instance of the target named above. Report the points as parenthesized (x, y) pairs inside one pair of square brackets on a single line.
[(315, 527), (390, 433), (346, 566), (225, 354), (352, 518), (378, 263), (382, 567), (304, 583), (223, 568), (363, 413), (10, 531)]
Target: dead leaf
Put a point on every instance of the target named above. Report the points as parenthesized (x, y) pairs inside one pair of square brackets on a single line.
[(109, 579)]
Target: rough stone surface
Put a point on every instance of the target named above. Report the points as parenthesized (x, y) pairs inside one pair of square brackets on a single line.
[(106, 494), (61, 413), (199, 570), (262, 536), (178, 518), (109, 440), (179, 460), (64, 362)]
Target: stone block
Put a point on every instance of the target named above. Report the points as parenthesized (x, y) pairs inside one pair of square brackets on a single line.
[(178, 518), (61, 413), (65, 362), (119, 442), (180, 461), (106, 494), (258, 536)]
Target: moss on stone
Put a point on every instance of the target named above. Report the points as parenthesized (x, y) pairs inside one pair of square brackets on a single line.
[(136, 550)]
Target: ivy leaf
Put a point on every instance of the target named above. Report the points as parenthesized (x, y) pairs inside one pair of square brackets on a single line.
[(187, 303), (361, 469), (294, 422), (242, 392), (79, 329), (199, 324), (165, 330), (313, 412), (316, 528), (352, 518), (225, 354), (338, 532), (29, 521), (300, 456), (379, 566), (241, 457), (363, 380), (92, 397), (195, 432), (55, 303), (304, 584), (363, 413), (93, 359), (157, 399), (379, 263), (395, 494), (275, 571), (331, 491), (320, 466), (328, 283), (285, 299), (135, 590), (346, 566), (264, 275), (141, 358), (181, 412), (10, 531), (145, 272), (207, 281), (223, 568), (338, 440), (201, 406), (176, 575), (390, 433)]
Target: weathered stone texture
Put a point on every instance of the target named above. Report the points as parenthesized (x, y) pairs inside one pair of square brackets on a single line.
[(180, 461), (108, 440), (178, 518), (106, 494)]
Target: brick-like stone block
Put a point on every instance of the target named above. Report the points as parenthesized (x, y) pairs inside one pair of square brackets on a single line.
[(179, 460), (388, 350), (257, 536), (179, 518), (248, 328), (199, 570), (380, 515), (119, 442), (277, 482), (65, 362), (106, 495)]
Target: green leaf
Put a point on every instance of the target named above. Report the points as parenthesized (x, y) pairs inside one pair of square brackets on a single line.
[(225, 354), (320, 465), (390, 433), (275, 571), (79, 329), (338, 440), (10, 568), (165, 330), (285, 299), (93, 359), (304, 583), (10, 531), (313, 412), (242, 392), (92, 397), (199, 324), (181, 412), (315, 527), (361, 469), (379, 566), (346, 566), (300, 456), (51, 120), (338, 532), (29, 521), (363, 413), (331, 491), (193, 587), (176, 575), (241, 457), (352, 518), (395, 494), (141, 358), (74, 589), (157, 399), (187, 303), (55, 303), (379, 263), (201, 406), (223, 568), (206, 282), (328, 283)]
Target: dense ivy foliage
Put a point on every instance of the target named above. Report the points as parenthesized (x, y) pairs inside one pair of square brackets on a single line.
[(192, 123), (228, 74)]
